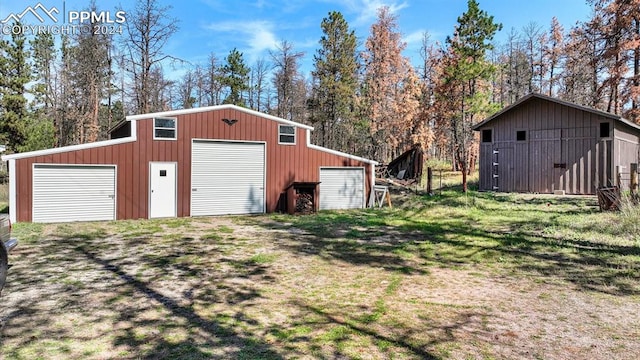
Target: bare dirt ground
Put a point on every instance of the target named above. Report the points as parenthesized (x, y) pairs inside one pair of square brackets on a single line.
[(259, 288)]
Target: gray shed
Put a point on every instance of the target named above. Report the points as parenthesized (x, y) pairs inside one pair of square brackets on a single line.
[(541, 144)]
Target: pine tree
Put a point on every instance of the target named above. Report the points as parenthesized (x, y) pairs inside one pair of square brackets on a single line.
[(334, 93), (618, 23), (235, 77), (39, 129), (91, 77), (553, 52), (424, 133), (390, 96), (584, 53), (67, 110), (469, 69), (517, 67), (44, 55), (15, 74)]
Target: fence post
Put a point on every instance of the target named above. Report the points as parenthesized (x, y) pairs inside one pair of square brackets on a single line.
[(618, 176), (634, 179), (429, 180)]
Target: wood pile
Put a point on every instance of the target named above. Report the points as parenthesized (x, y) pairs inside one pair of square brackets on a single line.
[(304, 203)]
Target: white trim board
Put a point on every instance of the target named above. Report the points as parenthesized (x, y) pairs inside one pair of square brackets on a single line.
[(12, 191), (64, 149), (214, 108), (336, 152)]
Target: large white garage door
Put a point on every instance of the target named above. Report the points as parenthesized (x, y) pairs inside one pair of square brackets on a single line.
[(227, 178), (341, 188), (63, 193)]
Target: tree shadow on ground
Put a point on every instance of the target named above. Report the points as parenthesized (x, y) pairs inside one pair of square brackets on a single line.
[(149, 307), (359, 246), (404, 339), (370, 238), (204, 332)]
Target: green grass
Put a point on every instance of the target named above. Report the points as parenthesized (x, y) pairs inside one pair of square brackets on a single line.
[(502, 232), (225, 229), (263, 258), (211, 236), (370, 283), (27, 233)]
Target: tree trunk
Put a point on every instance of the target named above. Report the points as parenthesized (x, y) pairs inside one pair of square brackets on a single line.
[(464, 177)]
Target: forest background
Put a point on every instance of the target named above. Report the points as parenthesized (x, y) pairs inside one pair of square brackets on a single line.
[(363, 96)]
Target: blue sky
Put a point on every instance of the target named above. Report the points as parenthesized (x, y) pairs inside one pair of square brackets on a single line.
[(257, 26)]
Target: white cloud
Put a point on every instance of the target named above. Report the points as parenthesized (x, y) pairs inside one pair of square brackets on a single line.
[(367, 10), (258, 36), (414, 37)]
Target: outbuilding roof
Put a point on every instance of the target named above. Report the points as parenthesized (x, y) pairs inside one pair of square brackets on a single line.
[(531, 96)]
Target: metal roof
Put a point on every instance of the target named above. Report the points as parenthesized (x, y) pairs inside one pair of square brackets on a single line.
[(558, 101)]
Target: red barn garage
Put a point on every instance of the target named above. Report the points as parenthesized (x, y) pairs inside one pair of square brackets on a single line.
[(206, 161)]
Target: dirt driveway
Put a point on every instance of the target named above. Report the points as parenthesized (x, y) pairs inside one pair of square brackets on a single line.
[(270, 288)]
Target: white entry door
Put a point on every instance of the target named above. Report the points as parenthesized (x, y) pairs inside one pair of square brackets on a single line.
[(162, 190)]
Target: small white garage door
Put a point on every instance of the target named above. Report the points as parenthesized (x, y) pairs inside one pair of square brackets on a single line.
[(341, 188), (63, 193), (227, 178)]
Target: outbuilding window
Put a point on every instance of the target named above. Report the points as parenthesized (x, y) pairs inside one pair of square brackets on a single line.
[(487, 136), (605, 132), (286, 134), (164, 129), (521, 135)]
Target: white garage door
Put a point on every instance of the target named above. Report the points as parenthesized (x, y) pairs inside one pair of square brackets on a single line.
[(227, 178), (63, 193), (341, 188)]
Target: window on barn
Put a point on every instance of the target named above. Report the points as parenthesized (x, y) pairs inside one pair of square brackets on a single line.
[(487, 136), (286, 134), (521, 135), (164, 129), (605, 131)]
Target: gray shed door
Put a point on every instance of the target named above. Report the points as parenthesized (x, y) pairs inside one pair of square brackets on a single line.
[(341, 188), (63, 193), (227, 178)]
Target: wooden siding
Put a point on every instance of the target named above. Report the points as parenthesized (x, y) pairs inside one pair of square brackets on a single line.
[(562, 151), (284, 163), (626, 151)]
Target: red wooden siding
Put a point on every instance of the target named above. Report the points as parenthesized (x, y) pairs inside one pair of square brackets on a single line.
[(284, 163)]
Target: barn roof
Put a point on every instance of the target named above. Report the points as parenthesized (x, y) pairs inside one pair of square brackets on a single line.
[(170, 113), (531, 96), (211, 108), (133, 136)]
